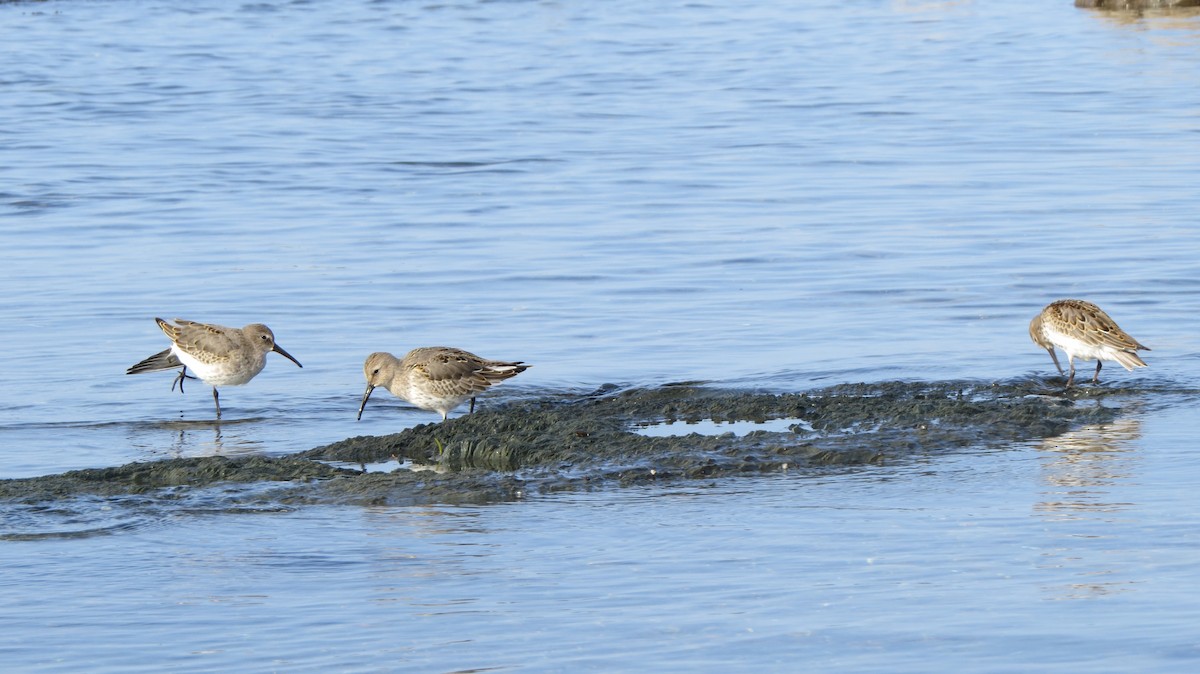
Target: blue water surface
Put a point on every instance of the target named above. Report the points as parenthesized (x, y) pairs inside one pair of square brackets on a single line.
[(766, 195)]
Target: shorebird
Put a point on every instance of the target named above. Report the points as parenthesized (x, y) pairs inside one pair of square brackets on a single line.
[(436, 378), (218, 355), (1082, 330)]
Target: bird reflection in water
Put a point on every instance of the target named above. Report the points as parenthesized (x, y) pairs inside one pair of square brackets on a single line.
[(1085, 474)]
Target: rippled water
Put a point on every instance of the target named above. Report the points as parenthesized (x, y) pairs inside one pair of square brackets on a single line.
[(772, 196)]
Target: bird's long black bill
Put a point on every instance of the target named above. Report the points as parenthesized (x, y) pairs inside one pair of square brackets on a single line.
[(279, 350), (363, 405), (1055, 359)]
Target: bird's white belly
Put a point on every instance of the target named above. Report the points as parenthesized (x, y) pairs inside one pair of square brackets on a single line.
[(1080, 350), (427, 401), (427, 396), (221, 373)]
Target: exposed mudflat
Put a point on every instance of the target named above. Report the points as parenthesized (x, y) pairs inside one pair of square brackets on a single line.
[(582, 442), (1134, 5)]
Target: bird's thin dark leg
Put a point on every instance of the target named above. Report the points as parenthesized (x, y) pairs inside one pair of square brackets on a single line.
[(472, 405), (217, 402), (1071, 378), (179, 379), (1096, 379)]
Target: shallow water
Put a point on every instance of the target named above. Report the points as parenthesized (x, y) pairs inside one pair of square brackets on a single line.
[(710, 427), (1072, 554), (763, 196)]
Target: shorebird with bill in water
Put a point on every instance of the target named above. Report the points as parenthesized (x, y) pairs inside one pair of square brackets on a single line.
[(1082, 330), (218, 355), (435, 378)]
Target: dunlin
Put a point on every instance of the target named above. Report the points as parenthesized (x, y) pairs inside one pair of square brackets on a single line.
[(218, 355), (436, 378), (1082, 330)]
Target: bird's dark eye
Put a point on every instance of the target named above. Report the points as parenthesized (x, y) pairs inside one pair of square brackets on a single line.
[(376, 371)]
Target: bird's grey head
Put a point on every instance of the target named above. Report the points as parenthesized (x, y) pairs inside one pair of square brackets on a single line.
[(263, 339)]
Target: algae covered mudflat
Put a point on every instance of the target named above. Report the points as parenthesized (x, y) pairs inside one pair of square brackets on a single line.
[(570, 442)]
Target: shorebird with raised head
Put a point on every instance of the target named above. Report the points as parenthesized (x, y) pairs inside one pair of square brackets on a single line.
[(1082, 330), (219, 356), (436, 378)]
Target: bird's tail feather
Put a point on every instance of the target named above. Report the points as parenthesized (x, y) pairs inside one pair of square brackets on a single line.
[(1129, 359), (163, 360), (498, 370)]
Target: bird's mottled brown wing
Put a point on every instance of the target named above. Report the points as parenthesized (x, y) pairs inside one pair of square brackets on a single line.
[(204, 342), (1088, 323), (463, 369), (443, 362)]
